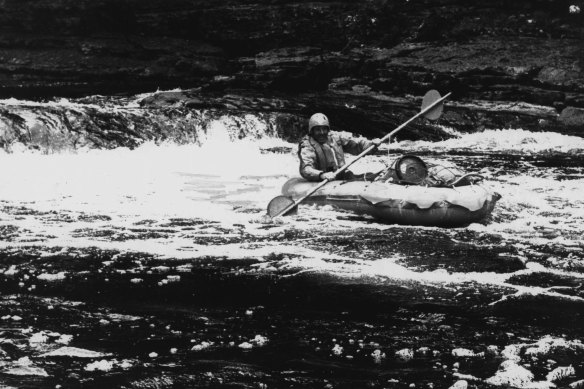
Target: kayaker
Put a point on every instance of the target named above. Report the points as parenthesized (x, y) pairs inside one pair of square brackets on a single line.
[(322, 151)]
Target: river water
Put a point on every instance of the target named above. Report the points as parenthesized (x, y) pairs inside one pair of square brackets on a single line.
[(152, 268)]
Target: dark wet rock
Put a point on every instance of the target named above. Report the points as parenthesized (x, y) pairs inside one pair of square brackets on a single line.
[(178, 222), (559, 284), (359, 55), (168, 99), (544, 280), (276, 150), (9, 232), (430, 250), (562, 312), (58, 128), (184, 117), (94, 218), (572, 116)]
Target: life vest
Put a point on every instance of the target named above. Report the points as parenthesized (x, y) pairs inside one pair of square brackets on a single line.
[(337, 151)]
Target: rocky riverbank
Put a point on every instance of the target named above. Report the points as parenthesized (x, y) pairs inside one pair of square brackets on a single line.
[(516, 64)]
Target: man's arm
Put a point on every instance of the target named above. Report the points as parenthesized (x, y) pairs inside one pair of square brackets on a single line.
[(355, 145)]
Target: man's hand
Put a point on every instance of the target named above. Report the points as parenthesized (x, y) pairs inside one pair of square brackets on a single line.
[(327, 176), (376, 142)]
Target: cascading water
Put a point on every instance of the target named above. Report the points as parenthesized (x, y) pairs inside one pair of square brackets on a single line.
[(147, 266)]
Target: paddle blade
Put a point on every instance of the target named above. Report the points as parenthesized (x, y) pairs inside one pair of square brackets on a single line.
[(429, 98), (280, 203)]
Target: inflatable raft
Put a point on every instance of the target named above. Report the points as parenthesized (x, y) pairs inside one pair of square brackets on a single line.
[(401, 204)]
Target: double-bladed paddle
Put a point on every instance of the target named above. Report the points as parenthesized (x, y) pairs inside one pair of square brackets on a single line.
[(431, 108)]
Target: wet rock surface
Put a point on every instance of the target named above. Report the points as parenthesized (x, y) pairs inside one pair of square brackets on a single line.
[(187, 116), (361, 57)]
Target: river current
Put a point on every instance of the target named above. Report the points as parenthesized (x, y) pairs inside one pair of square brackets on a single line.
[(151, 268)]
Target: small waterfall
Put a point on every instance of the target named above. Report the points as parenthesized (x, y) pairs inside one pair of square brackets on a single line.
[(107, 123)]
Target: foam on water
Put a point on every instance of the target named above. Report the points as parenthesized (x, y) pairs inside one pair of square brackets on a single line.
[(512, 141)]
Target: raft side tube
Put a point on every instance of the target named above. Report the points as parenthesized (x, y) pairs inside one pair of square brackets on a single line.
[(399, 204)]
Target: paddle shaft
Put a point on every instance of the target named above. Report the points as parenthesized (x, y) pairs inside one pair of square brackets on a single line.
[(363, 153)]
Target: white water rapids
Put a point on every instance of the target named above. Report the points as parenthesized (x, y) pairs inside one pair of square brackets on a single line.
[(229, 182)]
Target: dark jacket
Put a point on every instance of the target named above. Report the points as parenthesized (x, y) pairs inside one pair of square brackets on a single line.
[(313, 158)]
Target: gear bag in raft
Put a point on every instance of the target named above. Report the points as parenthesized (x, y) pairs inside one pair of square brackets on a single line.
[(411, 170)]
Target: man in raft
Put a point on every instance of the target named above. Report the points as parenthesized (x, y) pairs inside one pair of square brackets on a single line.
[(322, 151)]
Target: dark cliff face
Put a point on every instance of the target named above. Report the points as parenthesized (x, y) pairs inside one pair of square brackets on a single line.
[(335, 56)]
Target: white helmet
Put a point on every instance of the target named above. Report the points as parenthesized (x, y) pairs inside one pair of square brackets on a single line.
[(318, 119)]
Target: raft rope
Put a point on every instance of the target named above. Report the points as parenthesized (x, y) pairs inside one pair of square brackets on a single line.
[(465, 176)]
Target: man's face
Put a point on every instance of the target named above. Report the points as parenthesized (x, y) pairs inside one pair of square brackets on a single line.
[(320, 133)]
